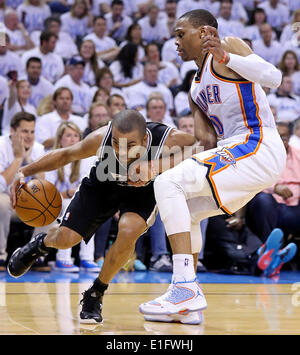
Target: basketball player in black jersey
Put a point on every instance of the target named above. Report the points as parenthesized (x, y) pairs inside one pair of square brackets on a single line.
[(125, 143)]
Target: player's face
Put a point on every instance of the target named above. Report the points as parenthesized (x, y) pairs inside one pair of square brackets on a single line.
[(188, 40), (128, 146)]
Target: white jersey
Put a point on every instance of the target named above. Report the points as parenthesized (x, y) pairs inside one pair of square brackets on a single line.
[(233, 106)]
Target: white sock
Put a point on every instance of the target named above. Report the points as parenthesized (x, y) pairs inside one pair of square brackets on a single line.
[(183, 268)]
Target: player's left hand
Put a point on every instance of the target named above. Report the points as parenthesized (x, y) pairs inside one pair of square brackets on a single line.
[(139, 173), (211, 43)]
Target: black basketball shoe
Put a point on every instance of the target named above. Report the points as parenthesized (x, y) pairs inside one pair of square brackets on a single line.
[(91, 306), (23, 258)]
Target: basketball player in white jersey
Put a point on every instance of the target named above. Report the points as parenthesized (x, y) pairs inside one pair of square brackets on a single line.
[(243, 152)]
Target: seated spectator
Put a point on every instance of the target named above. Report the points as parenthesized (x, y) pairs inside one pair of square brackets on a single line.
[(116, 103), (289, 65), (181, 100), (98, 114), (65, 46), (186, 123), (169, 53), (19, 37), (289, 29), (17, 149), (47, 125), (9, 61), (227, 26), (168, 73), (170, 15), (46, 105), (238, 12), (106, 46), (134, 35), (40, 87), (294, 43), (189, 5), (67, 180), (233, 245), (153, 29), (126, 69), (278, 206), (32, 14), (138, 94), (156, 111), (295, 137), (105, 79), (88, 53), (77, 22), (277, 14), (18, 100), (4, 92), (117, 21), (258, 18), (287, 104), (267, 48), (101, 96), (52, 64), (82, 95)]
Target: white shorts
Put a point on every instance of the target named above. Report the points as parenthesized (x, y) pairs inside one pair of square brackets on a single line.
[(220, 180)]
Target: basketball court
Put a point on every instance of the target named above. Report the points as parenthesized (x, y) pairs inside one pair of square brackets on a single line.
[(48, 303)]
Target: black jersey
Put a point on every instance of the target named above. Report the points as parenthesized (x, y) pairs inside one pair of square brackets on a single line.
[(109, 167)]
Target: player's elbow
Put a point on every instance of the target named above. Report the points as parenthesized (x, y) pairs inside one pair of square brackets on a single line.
[(272, 78)]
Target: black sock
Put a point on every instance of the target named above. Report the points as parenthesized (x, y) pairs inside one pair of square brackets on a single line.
[(42, 247), (99, 286)]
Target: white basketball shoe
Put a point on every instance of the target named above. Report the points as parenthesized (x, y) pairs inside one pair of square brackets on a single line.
[(181, 297), (183, 318)]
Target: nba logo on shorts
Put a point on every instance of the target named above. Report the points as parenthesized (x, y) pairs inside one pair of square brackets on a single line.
[(186, 262), (226, 157), (67, 215)]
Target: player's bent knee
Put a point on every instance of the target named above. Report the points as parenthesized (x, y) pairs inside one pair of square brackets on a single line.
[(164, 187), (64, 238)]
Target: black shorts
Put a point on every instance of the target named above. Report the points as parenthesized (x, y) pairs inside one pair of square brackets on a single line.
[(95, 202)]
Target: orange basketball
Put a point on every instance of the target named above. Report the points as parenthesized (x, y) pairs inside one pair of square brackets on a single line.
[(38, 203)]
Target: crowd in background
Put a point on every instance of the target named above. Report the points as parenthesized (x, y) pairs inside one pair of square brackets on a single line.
[(71, 65)]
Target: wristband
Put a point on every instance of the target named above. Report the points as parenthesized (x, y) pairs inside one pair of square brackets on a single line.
[(68, 194), (223, 59)]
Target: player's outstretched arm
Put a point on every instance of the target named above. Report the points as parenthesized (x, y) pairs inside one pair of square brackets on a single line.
[(233, 54), (177, 147), (58, 158)]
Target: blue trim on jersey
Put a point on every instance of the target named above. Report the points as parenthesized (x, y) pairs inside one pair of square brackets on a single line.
[(252, 121)]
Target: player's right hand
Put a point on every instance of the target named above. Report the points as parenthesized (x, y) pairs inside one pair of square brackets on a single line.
[(18, 181)]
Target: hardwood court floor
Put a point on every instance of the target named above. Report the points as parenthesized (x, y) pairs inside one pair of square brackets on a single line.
[(52, 308)]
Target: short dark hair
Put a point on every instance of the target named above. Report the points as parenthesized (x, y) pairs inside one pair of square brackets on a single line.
[(46, 35), (33, 59), (117, 2), (111, 97), (21, 116), (58, 91), (51, 19), (127, 121), (199, 18)]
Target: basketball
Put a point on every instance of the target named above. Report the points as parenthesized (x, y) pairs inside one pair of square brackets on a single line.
[(38, 203)]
